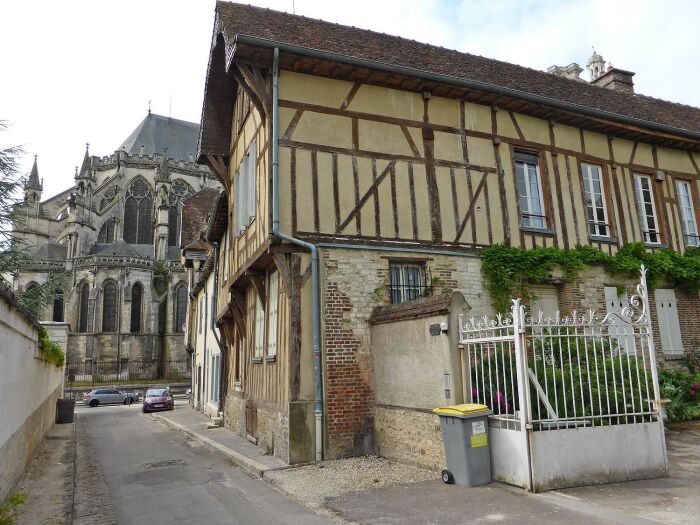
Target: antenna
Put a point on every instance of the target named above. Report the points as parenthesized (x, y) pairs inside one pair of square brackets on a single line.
[(149, 106)]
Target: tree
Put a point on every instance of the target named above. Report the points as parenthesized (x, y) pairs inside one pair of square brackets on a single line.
[(14, 251)]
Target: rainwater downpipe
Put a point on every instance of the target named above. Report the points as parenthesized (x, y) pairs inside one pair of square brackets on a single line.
[(315, 300)]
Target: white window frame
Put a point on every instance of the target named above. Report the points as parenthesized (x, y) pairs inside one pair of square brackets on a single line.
[(259, 336), (687, 212), (648, 233), (530, 171), (272, 313), (593, 174)]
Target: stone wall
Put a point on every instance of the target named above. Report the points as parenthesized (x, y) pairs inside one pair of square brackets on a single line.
[(29, 388), (355, 283), (409, 436)]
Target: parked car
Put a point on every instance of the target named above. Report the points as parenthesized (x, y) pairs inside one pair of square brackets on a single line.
[(157, 399), (106, 396)]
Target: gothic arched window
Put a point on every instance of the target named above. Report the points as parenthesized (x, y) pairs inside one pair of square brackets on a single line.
[(109, 307), (179, 191), (58, 306), (136, 306), (83, 308), (138, 213), (106, 235), (179, 308)]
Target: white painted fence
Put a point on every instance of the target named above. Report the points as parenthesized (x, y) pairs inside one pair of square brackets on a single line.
[(575, 399)]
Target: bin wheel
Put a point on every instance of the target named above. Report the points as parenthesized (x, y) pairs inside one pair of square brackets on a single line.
[(447, 477)]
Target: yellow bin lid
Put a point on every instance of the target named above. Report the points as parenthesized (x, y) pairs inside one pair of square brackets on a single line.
[(461, 410)]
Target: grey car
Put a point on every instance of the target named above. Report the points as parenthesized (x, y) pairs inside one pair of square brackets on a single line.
[(107, 396)]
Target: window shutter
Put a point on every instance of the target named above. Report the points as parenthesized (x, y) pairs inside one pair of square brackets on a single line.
[(251, 168), (619, 329), (544, 300), (259, 328), (669, 325), (272, 308)]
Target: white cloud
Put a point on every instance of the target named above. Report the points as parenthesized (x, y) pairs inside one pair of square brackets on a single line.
[(85, 70)]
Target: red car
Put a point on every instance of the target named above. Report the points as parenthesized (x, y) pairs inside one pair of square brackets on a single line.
[(158, 399)]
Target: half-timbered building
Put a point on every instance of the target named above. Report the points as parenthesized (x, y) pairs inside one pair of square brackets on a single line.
[(363, 169)]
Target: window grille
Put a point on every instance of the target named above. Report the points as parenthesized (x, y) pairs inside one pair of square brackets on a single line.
[(136, 306), (408, 281), (685, 205), (647, 209), (530, 191), (596, 209), (109, 307)]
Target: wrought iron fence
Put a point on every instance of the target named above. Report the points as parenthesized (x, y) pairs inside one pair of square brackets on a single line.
[(565, 371), (115, 372)]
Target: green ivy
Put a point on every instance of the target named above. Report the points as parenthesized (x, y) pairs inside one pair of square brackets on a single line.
[(50, 350), (508, 271)]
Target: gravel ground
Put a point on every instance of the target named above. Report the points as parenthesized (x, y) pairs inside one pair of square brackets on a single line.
[(314, 484)]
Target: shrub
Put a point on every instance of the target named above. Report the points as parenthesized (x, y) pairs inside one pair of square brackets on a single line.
[(51, 351), (683, 390)]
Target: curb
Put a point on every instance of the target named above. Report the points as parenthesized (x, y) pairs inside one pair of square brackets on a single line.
[(253, 467)]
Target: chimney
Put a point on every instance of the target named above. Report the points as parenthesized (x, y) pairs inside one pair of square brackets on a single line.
[(615, 79), (571, 71)]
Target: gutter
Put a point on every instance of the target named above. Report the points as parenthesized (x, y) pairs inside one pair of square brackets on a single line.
[(449, 79), (316, 319)]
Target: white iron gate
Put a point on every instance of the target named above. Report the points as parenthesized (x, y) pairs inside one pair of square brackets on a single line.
[(575, 398)]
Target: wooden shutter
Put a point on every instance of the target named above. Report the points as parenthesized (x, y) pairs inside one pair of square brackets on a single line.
[(617, 328), (669, 325), (259, 328), (545, 300), (272, 308)]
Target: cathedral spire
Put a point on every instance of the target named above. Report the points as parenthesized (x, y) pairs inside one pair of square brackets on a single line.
[(33, 182), (85, 168)]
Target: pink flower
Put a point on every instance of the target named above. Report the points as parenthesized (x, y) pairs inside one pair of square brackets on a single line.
[(499, 397), (696, 385), (692, 392), (474, 392)]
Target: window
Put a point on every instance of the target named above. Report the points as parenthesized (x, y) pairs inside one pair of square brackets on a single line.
[(244, 188), (180, 308), (136, 305), (647, 209), (83, 308), (272, 307), (407, 281), (685, 205), (669, 326), (106, 235), (596, 209), (109, 307), (179, 191), (138, 213), (259, 328), (57, 306), (527, 172)]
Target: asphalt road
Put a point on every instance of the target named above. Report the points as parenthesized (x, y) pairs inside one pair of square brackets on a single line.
[(158, 475)]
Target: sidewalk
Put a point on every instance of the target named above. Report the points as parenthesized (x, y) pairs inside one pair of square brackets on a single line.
[(241, 451)]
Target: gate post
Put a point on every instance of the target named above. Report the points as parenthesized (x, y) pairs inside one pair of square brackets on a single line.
[(518, 314), (643, 293)]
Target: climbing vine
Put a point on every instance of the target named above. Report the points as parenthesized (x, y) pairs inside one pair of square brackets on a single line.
[(51, 351), (507, 270)]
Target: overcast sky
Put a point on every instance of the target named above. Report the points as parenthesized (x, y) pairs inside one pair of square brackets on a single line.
[(80, 71)]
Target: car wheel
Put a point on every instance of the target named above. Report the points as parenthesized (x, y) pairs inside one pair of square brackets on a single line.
[(447, 477), (93, 403), (126, 401)]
